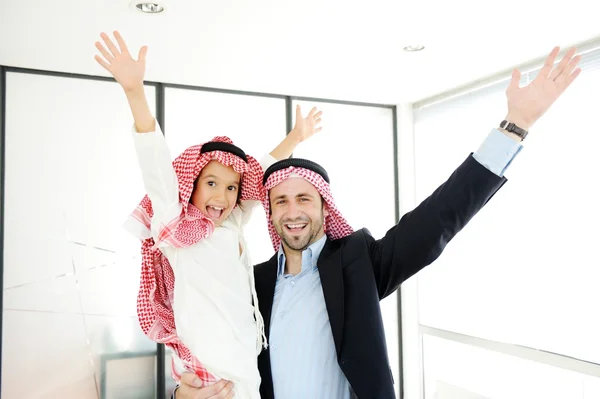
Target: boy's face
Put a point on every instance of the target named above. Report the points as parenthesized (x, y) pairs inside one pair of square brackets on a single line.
[(216, 191)]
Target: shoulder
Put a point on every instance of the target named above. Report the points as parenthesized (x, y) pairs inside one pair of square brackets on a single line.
[(263, 267), (354, 244), (359, 235)]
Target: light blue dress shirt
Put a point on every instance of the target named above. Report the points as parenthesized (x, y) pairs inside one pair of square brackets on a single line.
[(303, 357)]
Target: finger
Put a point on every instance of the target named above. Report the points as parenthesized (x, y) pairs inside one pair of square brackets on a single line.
[(562, 65), (298, 113), (191, 379), (104, 64), (569, 69), (312, 112), (226, 392), (549, 63), (572, 77), (318, 114), (317, 121), (121, 43), (216, 389), (515, 79), (104, 52), (142, 54), (111, 46), (317, 130)]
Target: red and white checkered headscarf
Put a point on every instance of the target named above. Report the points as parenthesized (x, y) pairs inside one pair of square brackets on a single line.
[(157, 281), (335, 225)]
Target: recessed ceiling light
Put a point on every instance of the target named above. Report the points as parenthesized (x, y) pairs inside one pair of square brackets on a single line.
[(150, 8), (411, 49)]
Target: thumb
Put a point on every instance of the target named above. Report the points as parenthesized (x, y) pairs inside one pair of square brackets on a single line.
[(298, 113), (142, 54), (515, 79), (191, 380), (197, 382)]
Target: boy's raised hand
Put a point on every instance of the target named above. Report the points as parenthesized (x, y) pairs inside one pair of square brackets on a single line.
[(129, 73)]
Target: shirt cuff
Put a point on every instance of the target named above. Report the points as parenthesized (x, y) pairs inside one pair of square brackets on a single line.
[(497, 152), (266, 161), (157, 129)]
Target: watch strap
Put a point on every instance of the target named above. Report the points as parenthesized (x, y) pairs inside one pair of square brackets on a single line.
[(511, 127)]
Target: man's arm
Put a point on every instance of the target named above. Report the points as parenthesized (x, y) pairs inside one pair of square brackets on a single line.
[(421, 235)]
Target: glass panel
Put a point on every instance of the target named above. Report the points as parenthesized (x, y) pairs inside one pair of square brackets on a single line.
[(50, 349), (454, 370), (591, 388), (525, 270), (71, 272)]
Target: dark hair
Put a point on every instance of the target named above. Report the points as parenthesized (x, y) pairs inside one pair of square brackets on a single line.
[(239, 194)]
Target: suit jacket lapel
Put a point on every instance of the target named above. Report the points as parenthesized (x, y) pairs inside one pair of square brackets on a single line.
[(330, 271)]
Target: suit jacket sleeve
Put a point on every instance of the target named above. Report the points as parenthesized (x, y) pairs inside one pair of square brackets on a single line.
[(422, 234)]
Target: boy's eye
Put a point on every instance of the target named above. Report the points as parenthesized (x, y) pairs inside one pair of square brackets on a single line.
[(232, 188), (212, 183)]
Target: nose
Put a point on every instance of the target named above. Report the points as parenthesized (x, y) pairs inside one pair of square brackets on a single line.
[(219, 196), (293, 211)]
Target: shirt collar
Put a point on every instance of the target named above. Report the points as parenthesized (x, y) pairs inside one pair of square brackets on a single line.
[(310, 256)]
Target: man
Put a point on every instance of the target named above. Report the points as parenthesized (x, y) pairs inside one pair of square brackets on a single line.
[(319, 295)]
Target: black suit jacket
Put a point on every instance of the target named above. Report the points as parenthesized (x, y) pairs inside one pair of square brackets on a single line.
[(358, 271)]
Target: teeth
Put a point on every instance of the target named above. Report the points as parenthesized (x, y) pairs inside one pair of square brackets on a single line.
[(214, 207), (295, 226)]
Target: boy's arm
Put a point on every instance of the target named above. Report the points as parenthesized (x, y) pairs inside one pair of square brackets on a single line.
[(154, 158), (129, 73), (303, 129)]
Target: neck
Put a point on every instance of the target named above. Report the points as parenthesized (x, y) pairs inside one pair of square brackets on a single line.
[(293, 257)]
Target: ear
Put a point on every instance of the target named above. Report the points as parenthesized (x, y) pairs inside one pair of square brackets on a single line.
[(325, 209)]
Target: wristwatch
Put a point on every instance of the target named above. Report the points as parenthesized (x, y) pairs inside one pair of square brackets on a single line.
[(511, 127)]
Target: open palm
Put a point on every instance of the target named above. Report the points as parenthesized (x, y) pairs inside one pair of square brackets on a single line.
[(129, 73), (306, 127), (527, 104)]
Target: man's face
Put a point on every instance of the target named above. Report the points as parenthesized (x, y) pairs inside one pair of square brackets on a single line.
[(297, 212)]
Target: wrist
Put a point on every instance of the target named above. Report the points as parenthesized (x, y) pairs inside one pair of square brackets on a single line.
[(294, 138), (518, 120), (134, 91)]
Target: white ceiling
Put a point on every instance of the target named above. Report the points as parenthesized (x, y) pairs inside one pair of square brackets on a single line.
[(332, 49)]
